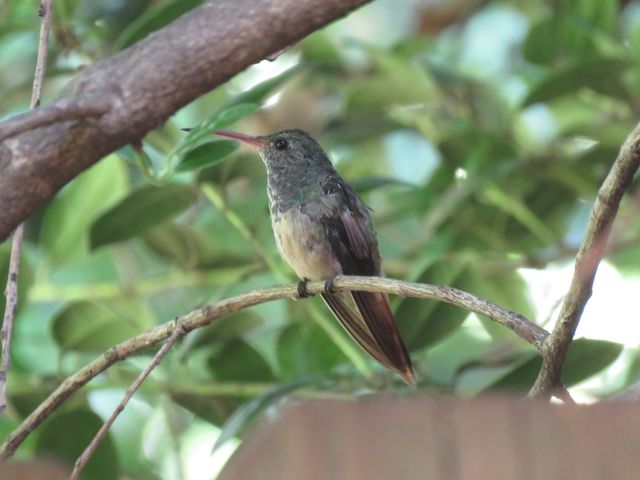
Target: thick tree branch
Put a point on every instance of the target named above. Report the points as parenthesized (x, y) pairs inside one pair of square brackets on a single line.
[(202, 317), (147, 83), (11, 290), (589, 255)]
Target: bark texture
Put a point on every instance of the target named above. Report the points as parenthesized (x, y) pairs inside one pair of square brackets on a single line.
[(147, 83)]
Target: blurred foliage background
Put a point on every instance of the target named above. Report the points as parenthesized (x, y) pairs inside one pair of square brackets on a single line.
[(478, 131)]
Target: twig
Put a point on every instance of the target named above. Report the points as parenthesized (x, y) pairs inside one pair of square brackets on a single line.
[(11, 290), (589, 255), (202, 317), (86, 454), (43, 52), (60, 111), (11, 294)]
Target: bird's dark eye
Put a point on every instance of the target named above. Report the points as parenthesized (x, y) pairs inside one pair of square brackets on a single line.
[(281, 144)]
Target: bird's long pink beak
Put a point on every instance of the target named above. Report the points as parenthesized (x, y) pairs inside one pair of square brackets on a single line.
[(255, 141)]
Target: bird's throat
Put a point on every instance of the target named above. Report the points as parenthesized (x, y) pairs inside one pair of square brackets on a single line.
[(289, 191)]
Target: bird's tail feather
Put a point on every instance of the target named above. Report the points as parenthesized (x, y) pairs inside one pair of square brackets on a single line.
[(368, 319)]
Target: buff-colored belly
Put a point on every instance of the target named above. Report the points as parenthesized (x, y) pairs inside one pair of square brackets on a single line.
[(304, 247)]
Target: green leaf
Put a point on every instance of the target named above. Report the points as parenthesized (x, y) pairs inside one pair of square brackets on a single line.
[(541, 44), (64, 234), (207, 154), (626, 261), (191, 249), (402, 71), (632, 374), (65, 437), (215, 122), (424, 322), (571, 31), (319, 48), (176, 243), (239, 361), (258, 92), (234, 361), (594, 14), (141, 210), (366, 184), (24, 398), (241, 165), (603, 75), (303, 349), (153, 19), (586, 357), (243, 416), (398, 81), (86, 326), (520, 212), (376, 93), (507, 289), (139, 157), (229, 328)]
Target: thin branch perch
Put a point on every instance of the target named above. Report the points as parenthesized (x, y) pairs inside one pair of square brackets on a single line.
[(202, 317), (589, 255), (11, 305)]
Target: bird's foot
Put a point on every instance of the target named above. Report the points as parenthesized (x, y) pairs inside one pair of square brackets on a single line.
[(328, 286), (302, 289)]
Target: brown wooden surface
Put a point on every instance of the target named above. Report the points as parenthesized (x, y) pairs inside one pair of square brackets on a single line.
[(39, 469), (415, 438)]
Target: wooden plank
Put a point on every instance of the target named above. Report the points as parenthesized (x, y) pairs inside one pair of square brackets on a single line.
[(390, 437)]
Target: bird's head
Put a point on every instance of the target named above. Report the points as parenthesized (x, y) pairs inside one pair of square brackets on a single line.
[(287, 149)]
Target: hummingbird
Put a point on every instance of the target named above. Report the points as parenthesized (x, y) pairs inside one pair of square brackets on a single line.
[(323, 229)]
